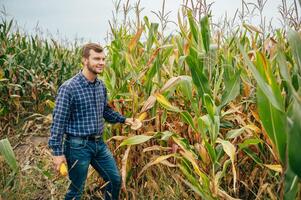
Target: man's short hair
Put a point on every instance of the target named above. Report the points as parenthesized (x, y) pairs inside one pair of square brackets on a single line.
[(91, 46)]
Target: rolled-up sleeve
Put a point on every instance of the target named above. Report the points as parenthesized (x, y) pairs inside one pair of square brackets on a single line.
[(61, 116)]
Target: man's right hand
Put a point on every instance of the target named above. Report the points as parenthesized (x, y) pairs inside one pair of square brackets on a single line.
[(58, 160)]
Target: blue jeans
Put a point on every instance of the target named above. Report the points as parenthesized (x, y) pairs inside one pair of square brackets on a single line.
[(79, 154)]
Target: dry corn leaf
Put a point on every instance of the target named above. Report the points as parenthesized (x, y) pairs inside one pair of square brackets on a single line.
[(124, 165), (156, 148), (135, 39), (154, 162), (276, 168), (150, 102)]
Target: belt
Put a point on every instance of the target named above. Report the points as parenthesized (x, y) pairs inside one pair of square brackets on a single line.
[(88, 137)]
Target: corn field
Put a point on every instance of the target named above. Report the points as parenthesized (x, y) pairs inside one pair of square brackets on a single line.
[(221, 108)]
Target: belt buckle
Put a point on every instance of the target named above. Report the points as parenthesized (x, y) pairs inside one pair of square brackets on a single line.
[(98, 137), (95, 137)]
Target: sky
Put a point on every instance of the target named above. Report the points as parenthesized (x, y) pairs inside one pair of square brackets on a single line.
[(88, 19)]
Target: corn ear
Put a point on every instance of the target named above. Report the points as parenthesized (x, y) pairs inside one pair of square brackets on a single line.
[(63, 169)]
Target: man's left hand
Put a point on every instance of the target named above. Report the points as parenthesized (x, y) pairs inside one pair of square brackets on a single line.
[(134, 123)]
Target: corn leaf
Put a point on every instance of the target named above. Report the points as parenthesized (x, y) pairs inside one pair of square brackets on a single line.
[(205, 30), (274, 122), (294, 39), (165, 103), (232, 86), (193, 27), (266, 89), (154, 162), (294, 138), (230, 151), (137, 139), (188, 119), (7, 151)]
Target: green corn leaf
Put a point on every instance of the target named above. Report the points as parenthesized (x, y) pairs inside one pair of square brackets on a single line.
[(210, 107), (196, 68), (266, 89), (7, 151), (188, 119), (294, 139), (290, 184), (194, 183), (152, 33), (193, 27), (274, 122), (253, 155), (211, 151), (232, 86), (294, 39), (205, 30), (248, 142), (137, 139)]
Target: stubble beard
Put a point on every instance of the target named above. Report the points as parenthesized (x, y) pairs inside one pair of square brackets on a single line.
[(91, 69)]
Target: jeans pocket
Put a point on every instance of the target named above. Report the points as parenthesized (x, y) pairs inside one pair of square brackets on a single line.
[(77, 143)]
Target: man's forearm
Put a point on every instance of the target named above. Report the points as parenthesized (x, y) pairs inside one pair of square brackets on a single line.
[(112, 116)]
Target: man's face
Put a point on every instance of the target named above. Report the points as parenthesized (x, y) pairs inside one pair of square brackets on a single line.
[(96, 62)]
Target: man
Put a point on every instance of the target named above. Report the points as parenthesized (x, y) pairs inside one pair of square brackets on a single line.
[(81, 105)]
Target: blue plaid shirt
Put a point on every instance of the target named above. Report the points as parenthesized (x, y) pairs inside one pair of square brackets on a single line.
[(80, 109)]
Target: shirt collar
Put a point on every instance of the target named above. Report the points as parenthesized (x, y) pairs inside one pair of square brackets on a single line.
[(86, 81)]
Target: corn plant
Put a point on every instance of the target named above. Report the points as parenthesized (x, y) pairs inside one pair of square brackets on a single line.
[(221, 110)]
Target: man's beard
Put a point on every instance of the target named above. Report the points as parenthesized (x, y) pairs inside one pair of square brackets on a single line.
[(91, 69)]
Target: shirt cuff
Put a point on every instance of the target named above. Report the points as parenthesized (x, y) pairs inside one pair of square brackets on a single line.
[(57, 151), (121, 119)]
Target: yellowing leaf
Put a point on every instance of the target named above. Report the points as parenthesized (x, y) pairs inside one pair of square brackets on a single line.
[(165, 103), (1, 73), (142, 116), (157, 148), (135, 39), (189, 156), (276, 168), (253, 128), (156, 161), (230, 151), (50, 103)]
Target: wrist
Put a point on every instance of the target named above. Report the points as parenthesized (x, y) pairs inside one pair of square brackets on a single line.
[(127, 121)]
